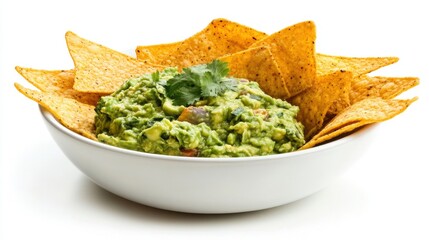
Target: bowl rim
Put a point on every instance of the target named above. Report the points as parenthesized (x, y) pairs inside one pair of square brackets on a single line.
[(332, 144)]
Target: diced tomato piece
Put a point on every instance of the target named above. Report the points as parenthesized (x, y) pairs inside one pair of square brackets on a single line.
[(194, 115), (189, 152)]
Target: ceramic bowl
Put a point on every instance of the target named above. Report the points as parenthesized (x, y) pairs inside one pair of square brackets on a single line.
[(210, 185)]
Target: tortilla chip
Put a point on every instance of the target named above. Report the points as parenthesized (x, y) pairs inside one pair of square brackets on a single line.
[(315, 102), (367, 111), (219, 38), (156, 53), (343, 100), (59, 82), (100, 69), (74, 115), (327, 64), (293, 50), (385, 87), (258, 64)]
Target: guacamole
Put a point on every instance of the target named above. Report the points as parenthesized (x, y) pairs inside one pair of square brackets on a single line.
[(236, 119)]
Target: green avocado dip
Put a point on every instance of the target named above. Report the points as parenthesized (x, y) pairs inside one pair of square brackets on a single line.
[(197, 112)]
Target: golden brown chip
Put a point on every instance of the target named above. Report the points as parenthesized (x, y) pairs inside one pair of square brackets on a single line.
[(100, 69), (326, 64), (258, 64), (315, 102), (156, 53), (369, 110), (74, 115), (341, 103), (343, 100), (59, 82), (385, 87), (293, 50), (219, 38)]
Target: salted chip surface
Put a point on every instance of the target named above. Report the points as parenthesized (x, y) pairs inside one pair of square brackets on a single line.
[(326, 64), (343, 99), (258, 64), (385, 87), (293, 49), (100, 69), (366, 111), (59, 82), (156, 53), (315, 102), (74, 115), (219, 38)]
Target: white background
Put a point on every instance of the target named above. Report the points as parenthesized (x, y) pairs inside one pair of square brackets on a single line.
[(385, 195)]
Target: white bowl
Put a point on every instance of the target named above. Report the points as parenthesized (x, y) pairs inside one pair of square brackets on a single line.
[(209, 185)]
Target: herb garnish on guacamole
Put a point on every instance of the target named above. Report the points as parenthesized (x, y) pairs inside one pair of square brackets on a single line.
[(198, 112)]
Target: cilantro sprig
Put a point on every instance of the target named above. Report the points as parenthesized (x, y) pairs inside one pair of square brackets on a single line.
[(197, 82)]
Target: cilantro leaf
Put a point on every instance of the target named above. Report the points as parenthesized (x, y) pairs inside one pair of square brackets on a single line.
[(229, 84), (182, 90), (205, 80), (209, 88), (218, 69)]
